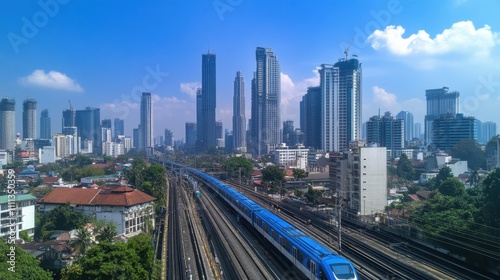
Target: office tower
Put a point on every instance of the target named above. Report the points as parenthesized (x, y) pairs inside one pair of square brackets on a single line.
[(7, 123), (288, 131), (206, 115), (239, 122), (386, 131), (488, 131), (45, 125), (199, 116), (341, 104), (310, 117), (88, 122), (119, 128), (191, 134), (72, 140), (407, 118), (106, 123), (266, 98), (439, 102), (68, 119), (29, 118), (146, 136), (169, 138), (136, 137), (219, 137), (449, 129)]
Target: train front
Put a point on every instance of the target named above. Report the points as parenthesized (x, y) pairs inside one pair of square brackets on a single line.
[(339, 268)]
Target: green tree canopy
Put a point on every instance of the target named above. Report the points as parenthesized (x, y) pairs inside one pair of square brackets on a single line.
[(443, 174), (313, 196), (491, 198), (405, 168), (469, 150), (452, 187), (26, 266), (300, 174), (62, 217), (273, 176), (235, 164)]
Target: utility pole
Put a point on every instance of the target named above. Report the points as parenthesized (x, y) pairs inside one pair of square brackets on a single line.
[(339, 216)]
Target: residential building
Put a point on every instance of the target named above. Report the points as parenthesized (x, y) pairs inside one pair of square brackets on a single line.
[(386, 131), (408, 124), (239, 121), (47, 154), (18, 210), (440, 101), (340, 85), (359, 175), (29, 118), (74, 141), (310, 117), (129, 209), (266, 98), (7, 123), (290, 157), (45, 125)]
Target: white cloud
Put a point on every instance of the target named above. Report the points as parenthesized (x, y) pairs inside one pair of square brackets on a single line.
[(462, 37), (386, 101), (52, 79), (190, 88)]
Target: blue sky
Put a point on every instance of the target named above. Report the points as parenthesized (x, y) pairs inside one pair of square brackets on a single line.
[(104, 53)]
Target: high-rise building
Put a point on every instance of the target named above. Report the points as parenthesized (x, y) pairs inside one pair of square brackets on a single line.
[(119, 128), (439, 102), (68, 118), (106, 123), (7, 123), (341, 104), (386, 131), (239, 121), (146, 136), (310, 117), (288, 131), (73, 141), (45, 125), (449, 129), (29, 118), (88, 122), (169, 138), (407, 118), (488, 131), (191, 134), (266, 98), (135, 137), (219, 136), (206, 115), (418, 131)]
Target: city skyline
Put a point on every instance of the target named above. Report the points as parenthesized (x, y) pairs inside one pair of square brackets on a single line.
[(107, 62)]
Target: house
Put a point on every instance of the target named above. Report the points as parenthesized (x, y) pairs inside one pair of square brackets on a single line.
[(51, 181), (53, 254), (128, 208)]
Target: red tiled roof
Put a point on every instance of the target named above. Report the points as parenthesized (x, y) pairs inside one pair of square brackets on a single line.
[(256, 173), (415, 197), (119, 196), (424, 194), (50, 180)]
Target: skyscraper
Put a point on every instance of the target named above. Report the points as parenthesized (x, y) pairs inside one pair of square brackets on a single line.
[(7, 123), (407, 118), (239, 121), (45, 125), (169, 138), (341, 104), (88, 122), (439, 102), (29, 118), (69, 116), (106, 123), (146, 136), (448, 130), (206, 115), (191, 132), (310, 117), (266, 98), (288, 131), (488, 130), (119, 128)]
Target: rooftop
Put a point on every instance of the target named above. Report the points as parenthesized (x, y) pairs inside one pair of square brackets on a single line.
[(19, 197)]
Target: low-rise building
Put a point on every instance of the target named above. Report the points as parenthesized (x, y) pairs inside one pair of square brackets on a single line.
[(17, 214), (129, 209)]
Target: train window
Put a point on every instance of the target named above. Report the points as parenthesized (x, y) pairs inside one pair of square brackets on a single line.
[(342, 271), (300, 256), (286, 245), (312, 269), (273, 234), (265, 226)]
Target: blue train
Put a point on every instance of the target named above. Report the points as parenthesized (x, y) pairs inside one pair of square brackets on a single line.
[(307, 255)]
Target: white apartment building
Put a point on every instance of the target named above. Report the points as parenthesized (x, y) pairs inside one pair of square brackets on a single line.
[(20, 211), (360, 176), (291, 157)]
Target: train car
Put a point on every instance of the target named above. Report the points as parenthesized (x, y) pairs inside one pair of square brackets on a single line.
[(306, 254)]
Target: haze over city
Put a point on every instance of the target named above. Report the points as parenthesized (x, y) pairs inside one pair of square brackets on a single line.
[(104, 54)]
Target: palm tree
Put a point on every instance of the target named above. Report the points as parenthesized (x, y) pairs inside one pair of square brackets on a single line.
[(108, 233), (473, 178), (84, 240)]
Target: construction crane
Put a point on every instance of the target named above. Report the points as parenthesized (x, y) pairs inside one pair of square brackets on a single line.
[(70, 107), (346, 51)]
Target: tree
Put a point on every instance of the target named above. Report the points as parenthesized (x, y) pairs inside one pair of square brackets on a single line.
[(274, 177), (84, 240), (235, 164), (313, 196), (299, 174), (24, 235), (474, 179), (87, 171), (107, 233), (25, 267), (491, 197), (452, 187), (63, 217), (142, 244), (405, 168), (443, 174), (469, 150)]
